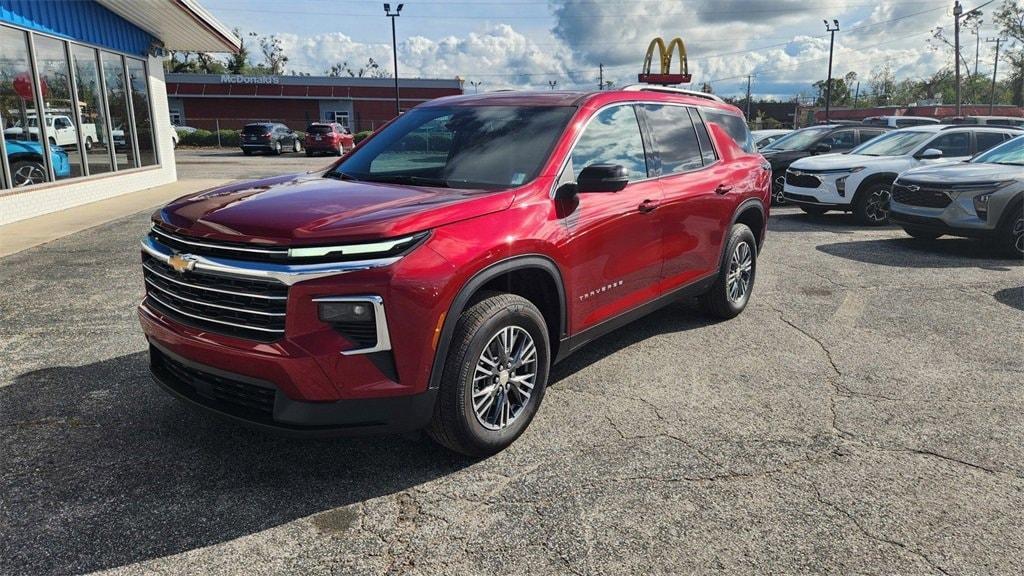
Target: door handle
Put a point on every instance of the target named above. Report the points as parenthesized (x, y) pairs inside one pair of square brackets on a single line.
[(723, 189), (647, 206)]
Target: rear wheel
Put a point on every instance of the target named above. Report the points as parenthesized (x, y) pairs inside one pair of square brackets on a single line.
[(921, 233), (813, 210), (296, 146), (88, 143), (871, 208), (494, 377), (731, 291), (277, 148)]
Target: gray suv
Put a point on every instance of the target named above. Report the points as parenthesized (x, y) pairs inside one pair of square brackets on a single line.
[(981, 198)]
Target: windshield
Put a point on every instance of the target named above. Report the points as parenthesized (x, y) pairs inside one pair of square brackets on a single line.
[(896, 143), (1010, 153), (799, 140), (489, 147)]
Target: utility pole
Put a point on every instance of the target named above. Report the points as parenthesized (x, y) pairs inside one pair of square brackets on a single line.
[(828, 83), (995, 68), (856, 95), (394, 50), (600, 76), (475, 84), (748, 97), (552, 84), (958, 11)]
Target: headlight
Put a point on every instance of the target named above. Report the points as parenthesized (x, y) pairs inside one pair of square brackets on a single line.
[(841, 186), (981, 205), (382, 249)]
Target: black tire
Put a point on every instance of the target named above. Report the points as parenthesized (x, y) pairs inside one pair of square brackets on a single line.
[(871, 207), (921, 233), (88, 143), (53, 141), (455, 424), (1010, 235), (717, 301), (247, 152), (296, 146), (813, 210), (28, 172), (309, 153), (276, 150)]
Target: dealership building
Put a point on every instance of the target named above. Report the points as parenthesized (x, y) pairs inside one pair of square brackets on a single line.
[(227, 101), (93, 71)]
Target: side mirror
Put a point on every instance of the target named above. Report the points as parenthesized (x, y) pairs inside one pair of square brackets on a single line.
[(602, 178), (822, 148), (930, 154)]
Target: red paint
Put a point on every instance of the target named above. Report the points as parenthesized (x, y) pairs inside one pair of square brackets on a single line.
[(611, 256)]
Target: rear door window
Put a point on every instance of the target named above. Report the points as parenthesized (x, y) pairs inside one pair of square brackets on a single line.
[(612, 137), (987, 140), (953, 144), (734, 125), (867, 135), (840, 140), (675, 138)]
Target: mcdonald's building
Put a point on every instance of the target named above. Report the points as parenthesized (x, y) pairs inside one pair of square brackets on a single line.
[(225, 101)]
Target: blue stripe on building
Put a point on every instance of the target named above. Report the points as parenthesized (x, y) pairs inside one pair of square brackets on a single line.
[(81, 20)]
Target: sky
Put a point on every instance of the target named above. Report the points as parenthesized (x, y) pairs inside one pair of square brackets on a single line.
[(529, 43)]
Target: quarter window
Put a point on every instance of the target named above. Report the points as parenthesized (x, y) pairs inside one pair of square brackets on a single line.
[(612, 137), (735, 126), (707, 150), (675, 138)]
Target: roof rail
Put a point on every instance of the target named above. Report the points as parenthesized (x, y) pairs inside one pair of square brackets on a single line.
[(996, 126), (655, 88)]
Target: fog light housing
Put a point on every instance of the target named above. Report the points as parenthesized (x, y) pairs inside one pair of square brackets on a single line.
[(981, 205), (344, 312), (841, 186)]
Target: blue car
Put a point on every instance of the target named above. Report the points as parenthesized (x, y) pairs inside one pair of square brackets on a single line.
[(26, 161)]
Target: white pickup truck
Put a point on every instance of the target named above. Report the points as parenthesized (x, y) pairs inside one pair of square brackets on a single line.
[(60, 130)]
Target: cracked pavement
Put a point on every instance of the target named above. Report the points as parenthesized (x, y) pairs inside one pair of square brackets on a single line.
[(863, 416)]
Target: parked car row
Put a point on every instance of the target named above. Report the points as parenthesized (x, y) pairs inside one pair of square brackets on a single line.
[(277, 138)]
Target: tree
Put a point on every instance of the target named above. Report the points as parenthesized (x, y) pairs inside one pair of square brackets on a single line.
[(194, 62), (369, 70), (274, 58), (1010, 20), (239, 63), (882, 84), (842, 94)]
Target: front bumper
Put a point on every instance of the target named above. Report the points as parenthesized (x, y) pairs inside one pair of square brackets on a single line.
[(258, 403), (826, 194)]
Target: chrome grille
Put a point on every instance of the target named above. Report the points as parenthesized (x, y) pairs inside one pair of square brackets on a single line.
[(242, 307), (802, 180), (914, 195), (236, 250)]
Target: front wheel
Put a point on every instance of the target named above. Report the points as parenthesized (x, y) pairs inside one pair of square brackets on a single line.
[(494, 377), (88, 143), (1011, 234), (277, 148), (296, 146), (27, 172), (871, 208), (778, 185), (731, 291)]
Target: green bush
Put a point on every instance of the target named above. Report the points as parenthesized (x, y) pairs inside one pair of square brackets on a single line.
[(228, 138), (360, 136)]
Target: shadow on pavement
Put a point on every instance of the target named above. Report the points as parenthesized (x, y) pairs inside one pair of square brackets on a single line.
[(916, 253), (1013, 297), (102, 469), (835, 222)]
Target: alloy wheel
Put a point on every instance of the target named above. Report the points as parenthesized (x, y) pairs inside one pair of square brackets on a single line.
[(1018, 235), (741, 267), (877, 207), (29, 173), (777, 188), (504, 378)]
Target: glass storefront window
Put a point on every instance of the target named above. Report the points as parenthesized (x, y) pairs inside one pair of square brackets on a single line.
[(18, 112), (140, 107), (58, 108), (92, 110), (117, 101)]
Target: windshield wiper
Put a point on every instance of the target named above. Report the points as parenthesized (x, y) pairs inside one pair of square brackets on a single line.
[(407, 179), (339, 175)]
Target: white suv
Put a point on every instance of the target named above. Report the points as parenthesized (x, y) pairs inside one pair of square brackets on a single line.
[(859, 182)]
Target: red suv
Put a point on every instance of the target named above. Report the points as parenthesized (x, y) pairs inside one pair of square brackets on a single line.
[(432, 277), (332, 138)]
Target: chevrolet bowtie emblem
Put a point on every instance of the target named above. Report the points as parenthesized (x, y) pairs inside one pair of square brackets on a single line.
[(182, 262)]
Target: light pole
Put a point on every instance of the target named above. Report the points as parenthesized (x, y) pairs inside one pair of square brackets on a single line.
[(828, 83), (394, 50), (958, 12), (475, 84), (995, 68)]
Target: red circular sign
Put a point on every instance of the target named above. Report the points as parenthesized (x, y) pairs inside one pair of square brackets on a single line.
[(23, 86)]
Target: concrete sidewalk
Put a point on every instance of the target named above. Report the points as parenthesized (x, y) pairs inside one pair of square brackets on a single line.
[(24, 234)]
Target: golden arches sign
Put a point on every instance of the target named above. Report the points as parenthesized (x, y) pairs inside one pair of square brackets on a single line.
[(664, 74)]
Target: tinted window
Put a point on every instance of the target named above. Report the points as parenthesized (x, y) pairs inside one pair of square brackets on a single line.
[(1010, 153), (841, 140), (490, 147), (954, 144), (866, 135), (675, 138), (612, 137), (987, 140), (255, 129), (735, 126), (318, 129), (707, 150)]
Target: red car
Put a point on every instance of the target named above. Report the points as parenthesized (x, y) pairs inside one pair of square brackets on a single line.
[(332, 138), (432, 277)]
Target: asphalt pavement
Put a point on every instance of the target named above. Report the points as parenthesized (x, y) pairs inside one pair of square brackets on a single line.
[(862, 416)]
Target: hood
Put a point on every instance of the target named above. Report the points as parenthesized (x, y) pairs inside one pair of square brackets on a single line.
[(963, 173), (835, 161), (307, 208), (781, 159)]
